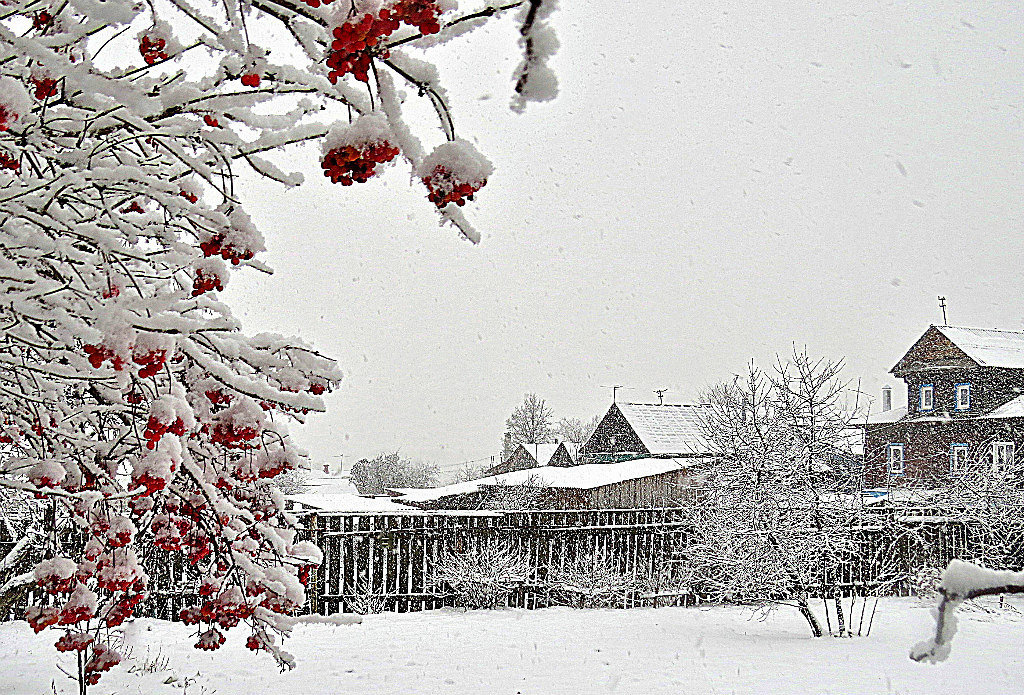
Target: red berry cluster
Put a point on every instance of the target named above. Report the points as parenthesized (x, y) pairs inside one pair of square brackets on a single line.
[(218, 397), (348, 165), (134, 207), (422, 14), (190, 197), (98, 354), (6, 118), (103, 659), (210, 640), (234, 438), (444, 188), (251, 79), (73, 641), (8, 162), (151, 362), (75, 614), (212, 122), (204, 283), (41, 20), (353, 42), (152, 50), (216, 247), (357, 40), (45, 87), (156, 429), (111, 291), (41, 618)]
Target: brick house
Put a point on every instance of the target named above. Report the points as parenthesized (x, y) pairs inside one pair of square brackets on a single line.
[(965, 396)]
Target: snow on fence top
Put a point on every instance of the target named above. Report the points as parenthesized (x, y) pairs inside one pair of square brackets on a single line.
[(584, 477), (667, 429)]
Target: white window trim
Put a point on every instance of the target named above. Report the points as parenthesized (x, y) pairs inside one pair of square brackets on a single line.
[(890, 459), (965, 463), (1009, 450), (966, 388), (930, 390)]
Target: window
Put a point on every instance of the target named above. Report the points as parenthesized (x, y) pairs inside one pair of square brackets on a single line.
[(958, 458), (963, 396), (1002, 456), (927, 397), (895, 459)]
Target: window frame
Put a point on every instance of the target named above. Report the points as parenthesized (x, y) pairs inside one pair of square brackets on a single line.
[(965, 386), (930, 390), (953, 448), (890, 459), (1009, 458)]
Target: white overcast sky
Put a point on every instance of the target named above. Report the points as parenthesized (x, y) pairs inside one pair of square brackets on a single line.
[(715, 182)]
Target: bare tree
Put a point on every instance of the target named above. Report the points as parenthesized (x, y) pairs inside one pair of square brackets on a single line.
[(374, 476), (572, 429), (530, 422), (772, 518), (292, 482), (528, 494)]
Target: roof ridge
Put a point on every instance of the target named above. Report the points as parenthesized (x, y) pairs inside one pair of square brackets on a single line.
[(675, 405)]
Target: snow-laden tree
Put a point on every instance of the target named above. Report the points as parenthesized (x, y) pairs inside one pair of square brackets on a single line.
[(130, 398), (774, 513)]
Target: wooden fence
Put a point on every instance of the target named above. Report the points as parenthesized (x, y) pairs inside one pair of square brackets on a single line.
[(391, 558)]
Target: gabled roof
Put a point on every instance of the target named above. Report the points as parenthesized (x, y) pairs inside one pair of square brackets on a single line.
[(960, 346), (667, 429)]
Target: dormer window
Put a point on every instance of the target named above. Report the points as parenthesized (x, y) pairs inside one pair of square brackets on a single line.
[(927, 397), (963, 396)]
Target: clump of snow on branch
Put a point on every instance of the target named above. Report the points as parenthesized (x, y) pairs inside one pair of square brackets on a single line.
[(962, 581), (535, 80)]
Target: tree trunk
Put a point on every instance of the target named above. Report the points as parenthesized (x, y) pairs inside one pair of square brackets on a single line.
[(808, 614), (840, 618)]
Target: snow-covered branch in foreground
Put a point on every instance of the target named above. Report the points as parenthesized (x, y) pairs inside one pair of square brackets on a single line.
[(535, 81), (961, 582), (130, 398)]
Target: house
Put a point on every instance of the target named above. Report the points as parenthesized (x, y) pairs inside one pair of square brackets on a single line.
[(640, 430), (965, 410), (526, 456), (637, 483)]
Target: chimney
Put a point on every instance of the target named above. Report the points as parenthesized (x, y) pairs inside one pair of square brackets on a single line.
[(506, 449), (886, 399)]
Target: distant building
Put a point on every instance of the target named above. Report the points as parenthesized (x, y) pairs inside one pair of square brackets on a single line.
[(643, 430), (965, 396), (526, 456)]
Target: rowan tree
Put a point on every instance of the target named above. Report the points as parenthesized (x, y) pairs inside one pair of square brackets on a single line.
[(131, 402)]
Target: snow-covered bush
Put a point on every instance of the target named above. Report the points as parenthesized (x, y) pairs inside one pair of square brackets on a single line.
[(129, 394), (592, 580), (481, 577)]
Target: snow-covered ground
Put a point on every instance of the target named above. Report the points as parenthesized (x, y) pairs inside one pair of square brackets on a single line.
[(559, 650)]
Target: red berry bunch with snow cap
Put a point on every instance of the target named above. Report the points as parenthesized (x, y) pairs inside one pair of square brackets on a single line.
[(454, 172), (151, 351), (240, 241), (210, 274), (352, 152), (15, 102), (155, 42), (168, 414)]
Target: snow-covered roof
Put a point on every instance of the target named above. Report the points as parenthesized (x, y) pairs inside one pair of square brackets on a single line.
[(330, 485), (667, 429), (885, 417), (345, 502), (541, 452), (1014, 408), (988, 347), (577, 477)]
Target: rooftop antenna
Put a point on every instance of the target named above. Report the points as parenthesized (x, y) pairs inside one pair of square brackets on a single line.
[(661, 395), (942, 305), (615, 390)]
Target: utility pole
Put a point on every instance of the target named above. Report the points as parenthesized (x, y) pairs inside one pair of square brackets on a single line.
[(942, 305), (661, 395)]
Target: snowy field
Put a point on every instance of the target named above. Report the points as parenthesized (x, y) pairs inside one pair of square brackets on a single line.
[(644, 651)]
